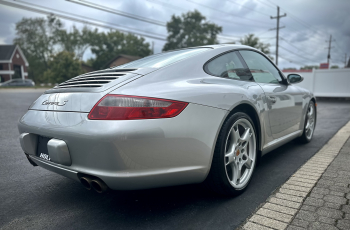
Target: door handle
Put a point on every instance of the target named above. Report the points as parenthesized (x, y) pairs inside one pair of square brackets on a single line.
[(272, 99)]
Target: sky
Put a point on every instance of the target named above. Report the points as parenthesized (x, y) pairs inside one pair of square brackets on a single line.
[(303, 40)]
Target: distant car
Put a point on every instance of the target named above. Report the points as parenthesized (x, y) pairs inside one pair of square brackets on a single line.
[(185, 116), (18, 82)]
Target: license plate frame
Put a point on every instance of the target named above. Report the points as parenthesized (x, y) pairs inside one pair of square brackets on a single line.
[(42, 151)]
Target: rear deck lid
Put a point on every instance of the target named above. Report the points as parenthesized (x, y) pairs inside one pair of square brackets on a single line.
[(81, 93)]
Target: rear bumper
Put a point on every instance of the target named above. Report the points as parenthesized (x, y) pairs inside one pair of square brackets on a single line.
[(133, 154), (132, 180)]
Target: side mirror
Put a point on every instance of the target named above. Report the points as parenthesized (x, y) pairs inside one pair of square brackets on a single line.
[(294, 78)]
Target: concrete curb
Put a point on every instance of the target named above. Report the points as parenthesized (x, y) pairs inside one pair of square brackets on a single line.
[(281, 207)]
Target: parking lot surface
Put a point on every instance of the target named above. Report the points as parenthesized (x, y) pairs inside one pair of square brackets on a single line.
[(34, 198)]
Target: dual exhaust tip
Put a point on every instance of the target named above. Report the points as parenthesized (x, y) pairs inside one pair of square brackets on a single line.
[(93, 183)]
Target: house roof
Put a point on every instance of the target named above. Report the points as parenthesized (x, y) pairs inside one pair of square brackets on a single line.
[(131, 58), (6, 52), (296, 70)]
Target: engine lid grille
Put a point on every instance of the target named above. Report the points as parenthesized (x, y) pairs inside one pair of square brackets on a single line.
[(97, 81), (90, 80)]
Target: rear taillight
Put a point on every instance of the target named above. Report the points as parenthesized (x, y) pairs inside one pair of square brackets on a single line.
[(121, 107)]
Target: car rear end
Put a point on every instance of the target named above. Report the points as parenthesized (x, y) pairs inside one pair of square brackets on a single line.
[(75, 130)]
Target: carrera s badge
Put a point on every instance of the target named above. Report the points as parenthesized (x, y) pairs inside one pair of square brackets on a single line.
[(46, 102)]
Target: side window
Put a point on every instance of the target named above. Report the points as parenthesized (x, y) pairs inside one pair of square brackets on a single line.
[(229, 66), (260, 67)]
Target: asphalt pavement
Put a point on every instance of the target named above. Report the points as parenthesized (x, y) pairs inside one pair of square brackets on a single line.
[(34, 198)]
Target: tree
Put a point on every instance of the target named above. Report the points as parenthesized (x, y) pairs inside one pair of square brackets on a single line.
[(251, 40), (76, 41), (36, 37), (334, 67), (189, 30), (62, 66), (106, 46), (42, 38)]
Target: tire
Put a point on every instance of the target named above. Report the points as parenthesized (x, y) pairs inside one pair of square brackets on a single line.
[(309, 124), (235, 156)]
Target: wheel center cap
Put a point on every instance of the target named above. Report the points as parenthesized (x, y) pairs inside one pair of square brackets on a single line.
[(238, 152)]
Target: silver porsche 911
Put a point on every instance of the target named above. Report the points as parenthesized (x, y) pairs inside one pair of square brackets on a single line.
[(202, 114)]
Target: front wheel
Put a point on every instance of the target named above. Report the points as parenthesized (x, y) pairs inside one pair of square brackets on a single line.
[(234, 157)]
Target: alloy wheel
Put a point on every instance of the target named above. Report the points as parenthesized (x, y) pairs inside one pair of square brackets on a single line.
[(240, 153), (310, 121)]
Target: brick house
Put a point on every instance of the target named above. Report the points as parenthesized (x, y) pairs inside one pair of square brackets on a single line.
[(13, 63), (120, 60)]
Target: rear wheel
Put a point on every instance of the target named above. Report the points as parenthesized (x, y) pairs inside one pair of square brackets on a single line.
[(310, 123), (234, 157)]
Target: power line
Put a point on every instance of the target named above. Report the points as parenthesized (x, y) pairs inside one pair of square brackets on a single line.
[(307, 47), (166, 5), (296, 54), (261, 2), (308, 26), (163, 4), (209, 7), (221, 36), (118, 12), (229, 36), (263, 32), (337, 45), (297, 19), (80, 16), (227, 21), (75, 19), (267, 38), (305, 24), (99, 7), (337, 61), (242, 5), (285, 40), (303, 64)]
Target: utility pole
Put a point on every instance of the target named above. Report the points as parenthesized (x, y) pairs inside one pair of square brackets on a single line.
[(277, 29), (329, 49)]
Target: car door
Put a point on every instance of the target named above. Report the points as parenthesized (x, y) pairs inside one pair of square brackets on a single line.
[(283, 100), (236, 76)]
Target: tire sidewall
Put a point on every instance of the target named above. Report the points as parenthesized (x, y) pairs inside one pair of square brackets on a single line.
[(221, 150), (304, 136)]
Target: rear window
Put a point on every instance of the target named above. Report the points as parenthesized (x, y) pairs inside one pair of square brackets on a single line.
[(163, 59)]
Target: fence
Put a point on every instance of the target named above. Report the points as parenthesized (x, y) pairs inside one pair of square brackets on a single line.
[(326, 82)]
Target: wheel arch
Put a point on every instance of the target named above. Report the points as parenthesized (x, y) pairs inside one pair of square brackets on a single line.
[(253, 114), (249, 109)]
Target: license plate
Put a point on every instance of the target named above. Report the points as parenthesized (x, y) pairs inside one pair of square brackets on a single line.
[(42, 151)]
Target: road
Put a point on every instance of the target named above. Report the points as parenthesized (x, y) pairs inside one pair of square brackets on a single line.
[(33, 198)]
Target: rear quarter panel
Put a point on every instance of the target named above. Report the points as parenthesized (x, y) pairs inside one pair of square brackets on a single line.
[(187, 81)]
